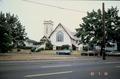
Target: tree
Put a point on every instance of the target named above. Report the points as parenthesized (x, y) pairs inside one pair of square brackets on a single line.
[(12, 32), (113, 26), (90, 30)]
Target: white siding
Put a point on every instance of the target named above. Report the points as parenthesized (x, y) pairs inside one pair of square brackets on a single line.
[(67, 39), (29, 44), (48, 28)]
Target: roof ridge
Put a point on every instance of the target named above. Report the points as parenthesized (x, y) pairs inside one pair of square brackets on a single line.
[(66, 30)]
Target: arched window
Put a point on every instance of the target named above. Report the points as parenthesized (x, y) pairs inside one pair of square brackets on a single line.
[(60, 37)]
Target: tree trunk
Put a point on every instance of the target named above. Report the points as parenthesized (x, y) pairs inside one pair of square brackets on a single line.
[(118, 46), (101, 51)]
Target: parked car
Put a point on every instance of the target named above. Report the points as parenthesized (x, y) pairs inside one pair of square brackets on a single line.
[(85, 53), (107, 52), (90, 53), (63, 52), (112, 53)]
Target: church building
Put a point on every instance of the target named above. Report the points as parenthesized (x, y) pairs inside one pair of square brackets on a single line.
[(60, 36)]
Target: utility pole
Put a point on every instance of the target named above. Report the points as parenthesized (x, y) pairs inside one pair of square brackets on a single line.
[(104, 33)]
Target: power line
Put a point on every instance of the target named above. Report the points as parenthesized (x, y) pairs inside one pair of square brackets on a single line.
[(59, 7)]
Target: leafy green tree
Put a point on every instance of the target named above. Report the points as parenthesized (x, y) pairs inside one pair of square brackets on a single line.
[(90, 29), (113, 26), (91, 32), (12, 32)]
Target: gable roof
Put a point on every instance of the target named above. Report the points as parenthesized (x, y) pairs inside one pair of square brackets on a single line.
[(44, 38), (30, 40), (70, 34)]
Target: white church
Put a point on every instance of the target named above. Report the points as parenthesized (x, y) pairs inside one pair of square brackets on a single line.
[(60, 36)]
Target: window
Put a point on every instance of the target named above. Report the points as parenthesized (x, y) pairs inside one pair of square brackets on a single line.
[(60, 37)]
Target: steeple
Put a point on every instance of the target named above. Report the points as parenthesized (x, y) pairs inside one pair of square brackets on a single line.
[(48, 28)]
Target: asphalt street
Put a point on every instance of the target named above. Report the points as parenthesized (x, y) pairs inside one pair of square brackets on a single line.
[(79, 68)]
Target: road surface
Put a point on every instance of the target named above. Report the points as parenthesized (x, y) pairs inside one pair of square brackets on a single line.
[(79, 68)]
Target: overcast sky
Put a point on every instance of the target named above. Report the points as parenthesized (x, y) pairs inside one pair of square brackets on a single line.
[(33, 14)]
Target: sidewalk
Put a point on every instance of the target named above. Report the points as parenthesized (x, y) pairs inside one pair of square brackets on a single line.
[(36, 56)]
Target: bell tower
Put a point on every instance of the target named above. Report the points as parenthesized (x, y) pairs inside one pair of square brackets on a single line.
[(48, 28)]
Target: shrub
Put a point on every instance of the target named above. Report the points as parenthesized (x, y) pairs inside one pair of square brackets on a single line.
[(33, 49), (65, 47), (49, 45), (85, 48), (18, 50), (24, 47)]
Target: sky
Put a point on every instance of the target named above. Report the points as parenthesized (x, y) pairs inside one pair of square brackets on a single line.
[(32, 13)]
